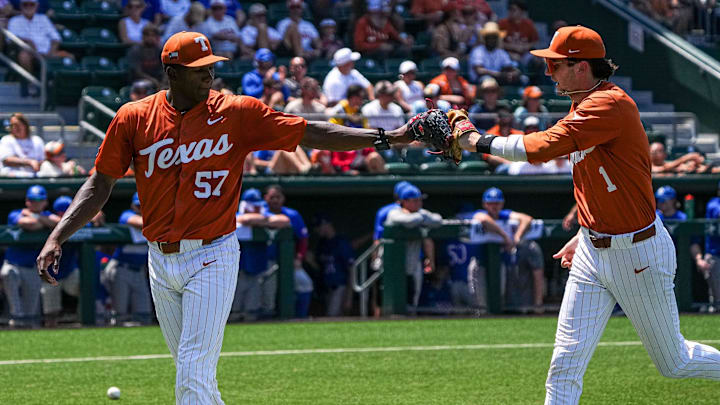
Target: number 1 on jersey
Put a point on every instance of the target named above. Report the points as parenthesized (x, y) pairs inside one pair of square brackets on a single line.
[(610, 186), (205, 187)]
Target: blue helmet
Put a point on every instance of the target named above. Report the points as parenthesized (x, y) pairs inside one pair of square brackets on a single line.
[(493, 194), (264, 55), (136, 199), (665, 193), (399, 186), (36, 193), (251, 195), (62, 203), (409, 192)]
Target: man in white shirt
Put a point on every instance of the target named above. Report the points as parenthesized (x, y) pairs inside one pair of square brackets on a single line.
[(257, 34), (382, 112), (308, 103), (300, 37), (37, 31), (193, 20), (222, 30), (343, 75)]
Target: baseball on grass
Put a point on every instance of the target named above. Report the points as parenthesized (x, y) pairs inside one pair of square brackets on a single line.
[(113, 392)]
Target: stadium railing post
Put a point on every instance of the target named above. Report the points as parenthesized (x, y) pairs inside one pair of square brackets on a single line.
[(394, 280), (87, 284), (493, 274)]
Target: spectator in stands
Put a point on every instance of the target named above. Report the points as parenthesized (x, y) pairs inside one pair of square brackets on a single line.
[(56, 163), (21, 154), (281, 162), (343, 75), (531, 124), (520, 33), (687, 163), (429, 10), (169, 9), (218, 84), (411, 214), (453, 87), (252, 81), (18, 275), (451, 37), (488, 59), (347, 113), (222, 30), (125, 276), (309, 100), (490, 92), (475, 14), (334, 256), (300, 37), (141, 89), (297, 69), (674, 14), (708, 264), (504, 126), (142, 58), (68, 276), (383, 112), (257, 34), (408, 90), (192, 20), (432, 93), (329, 41), (272, 94), (532, 105), (39, 33), (375, 36), (130, 27)]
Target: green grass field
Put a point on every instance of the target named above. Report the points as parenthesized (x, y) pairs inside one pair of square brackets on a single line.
[(506, 364)]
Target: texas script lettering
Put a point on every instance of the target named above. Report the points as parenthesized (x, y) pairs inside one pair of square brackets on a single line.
[(164, 157)]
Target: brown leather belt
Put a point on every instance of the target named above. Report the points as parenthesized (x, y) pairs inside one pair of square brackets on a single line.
[(604, 243), (174, 247)]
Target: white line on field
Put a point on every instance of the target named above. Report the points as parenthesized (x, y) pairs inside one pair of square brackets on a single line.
[(320, 351)]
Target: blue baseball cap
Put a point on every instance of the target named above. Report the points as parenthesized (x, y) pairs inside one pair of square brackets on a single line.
[(493, 194), (136, 199), (62, 203), (264, 55), (399, 186), (665, 193), (36, 193), (252, 195), (409, 192)]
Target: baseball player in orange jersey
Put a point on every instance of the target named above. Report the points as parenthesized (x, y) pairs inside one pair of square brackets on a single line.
[(188, 145), (622, 253)]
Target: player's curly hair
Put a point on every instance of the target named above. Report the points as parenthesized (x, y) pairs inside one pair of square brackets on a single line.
[(601, 68)]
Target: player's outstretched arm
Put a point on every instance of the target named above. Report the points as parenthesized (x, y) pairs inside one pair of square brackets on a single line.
[(327, 136), (87, 202)]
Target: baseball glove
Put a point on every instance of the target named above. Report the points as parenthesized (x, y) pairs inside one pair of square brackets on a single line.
[(432, 128)]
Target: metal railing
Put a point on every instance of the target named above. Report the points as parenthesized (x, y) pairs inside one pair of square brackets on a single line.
[(100, 107), (361, 286), (41, 82)]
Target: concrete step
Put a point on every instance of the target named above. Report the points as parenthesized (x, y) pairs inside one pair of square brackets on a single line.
[(707, 145), (662, 107), (624, 82), (9, 90), (3, 74)]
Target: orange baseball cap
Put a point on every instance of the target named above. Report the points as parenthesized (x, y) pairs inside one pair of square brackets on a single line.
[(191, 49), (576, 42), (532, 92)]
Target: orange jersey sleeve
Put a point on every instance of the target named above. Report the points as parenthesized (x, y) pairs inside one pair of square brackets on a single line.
[(263, 128), (609, 151), (116, 151)]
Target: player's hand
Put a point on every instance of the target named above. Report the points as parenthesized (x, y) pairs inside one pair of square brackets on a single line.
[(568, 222), (703, 265), (567, 252), (49, 255)]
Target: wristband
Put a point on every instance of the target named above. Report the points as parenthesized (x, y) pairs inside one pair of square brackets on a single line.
[(381, 142), (483, 144)]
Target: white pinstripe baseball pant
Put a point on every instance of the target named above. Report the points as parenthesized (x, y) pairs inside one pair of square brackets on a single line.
[(192, 303), (601, 277)]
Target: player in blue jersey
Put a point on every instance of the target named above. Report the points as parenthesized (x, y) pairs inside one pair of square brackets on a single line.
[(667, 204), (254, 255), (68, 276), (18, 274), (334, 256), (523, 259), (709, 263), (125, 275), (275, 200)]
